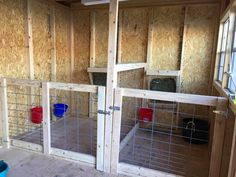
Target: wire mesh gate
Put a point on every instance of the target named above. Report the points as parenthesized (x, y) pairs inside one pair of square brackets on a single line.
[(151, 137), (54, 118)]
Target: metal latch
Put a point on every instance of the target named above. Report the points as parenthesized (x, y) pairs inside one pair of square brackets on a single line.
[(114, 108), (104, 112)]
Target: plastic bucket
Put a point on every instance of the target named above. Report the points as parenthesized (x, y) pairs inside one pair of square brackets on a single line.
[(145, 115), (37, 115), (4, 168), (60, 109)]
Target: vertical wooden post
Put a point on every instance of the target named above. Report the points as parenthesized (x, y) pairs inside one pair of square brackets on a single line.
[(150, 40), (228, 49), (100, 128), (53, 43), (111, 79), (218, 139), (29, 37), (116, 132), (4, 114), (46, 118)]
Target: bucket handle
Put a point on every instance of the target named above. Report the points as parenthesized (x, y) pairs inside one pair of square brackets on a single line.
[(193, 126)]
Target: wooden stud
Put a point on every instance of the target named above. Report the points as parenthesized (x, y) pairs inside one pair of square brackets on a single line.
[(53, 43), (92, 38), (97, 70), (46, 118), (30, 40), (169, 73), (218, 139), (150, 40), (27, 145), (4, 114), (116, 132), (100, 129), (111, 79), (72, 47)]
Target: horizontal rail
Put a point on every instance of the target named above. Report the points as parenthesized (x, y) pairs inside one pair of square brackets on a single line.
[(27, 145), (97, 70), (172, 97), (133, 170), (170, 73), (130, 66), (73, 87), (74, 156)]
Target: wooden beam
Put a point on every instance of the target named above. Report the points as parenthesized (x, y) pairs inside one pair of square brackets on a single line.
[(30, 40), (4, 114), (116, 132), (88, 159), (111, 79), (97, 70), (72, 47), (46, 118), (131, 66), (73, 87), (170, 73), (172, 97), (53, 43), (132, 170), (92, 39), (128, 137), (150, 40), (100, 129), (20, 82), (218, 139), (27, 145)]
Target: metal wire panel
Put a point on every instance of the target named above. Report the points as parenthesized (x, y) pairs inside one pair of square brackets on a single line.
[(172, 140), (20, 102), (76, 130)]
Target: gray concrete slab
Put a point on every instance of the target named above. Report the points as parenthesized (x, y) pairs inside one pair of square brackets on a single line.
[(29, 164)]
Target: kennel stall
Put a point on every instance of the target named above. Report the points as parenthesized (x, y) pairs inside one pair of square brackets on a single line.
[(147, 140), (54, 118)]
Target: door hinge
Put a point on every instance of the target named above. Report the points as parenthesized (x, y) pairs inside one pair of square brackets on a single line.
[(114, 108)]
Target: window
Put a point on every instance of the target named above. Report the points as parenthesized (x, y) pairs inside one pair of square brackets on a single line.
[(223, 50), (232, 69)]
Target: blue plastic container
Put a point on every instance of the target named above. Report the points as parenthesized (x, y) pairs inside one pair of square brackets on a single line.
[(4, 168), (60, 109)]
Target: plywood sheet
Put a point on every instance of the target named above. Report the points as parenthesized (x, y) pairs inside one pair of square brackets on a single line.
[(134, 35), (101, 37), (41, 40), (62, 24), (198, 48), (12, 39), (82, 44), (167, 36)]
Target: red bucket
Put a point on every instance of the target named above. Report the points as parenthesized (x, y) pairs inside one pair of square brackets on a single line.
[(37, 115), (145, 115)]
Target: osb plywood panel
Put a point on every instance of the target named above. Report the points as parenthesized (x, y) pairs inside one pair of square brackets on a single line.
[(41, 40), (198, 46), (167, 31), (82, 44), (101, 37), (82, 48), (12, 39), (62, 24), (134, 35)]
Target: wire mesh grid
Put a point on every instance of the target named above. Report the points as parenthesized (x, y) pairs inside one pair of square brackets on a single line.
[(166, 136), (25, 122), (74, 121)]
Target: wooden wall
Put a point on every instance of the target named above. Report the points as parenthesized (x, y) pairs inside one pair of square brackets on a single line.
[(14, 45)]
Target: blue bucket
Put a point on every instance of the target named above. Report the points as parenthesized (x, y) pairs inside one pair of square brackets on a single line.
[(60, 109), (4, 168)]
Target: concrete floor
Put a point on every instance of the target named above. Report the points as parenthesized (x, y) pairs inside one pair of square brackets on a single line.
[(28, 164)]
